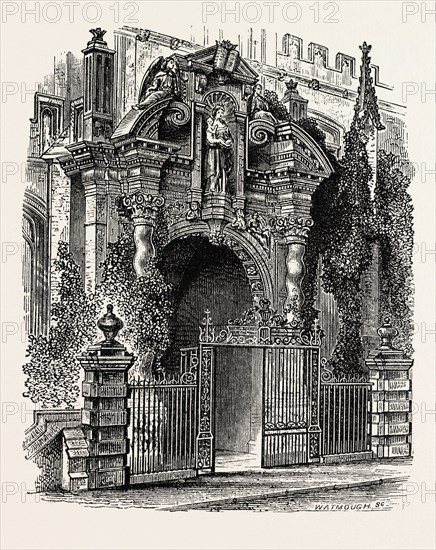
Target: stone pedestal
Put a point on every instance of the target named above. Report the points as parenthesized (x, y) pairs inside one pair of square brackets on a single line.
[(105, 413), (217, 206), (389, 368)]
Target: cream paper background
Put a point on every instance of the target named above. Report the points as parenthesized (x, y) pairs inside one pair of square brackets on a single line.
[(405, 52)]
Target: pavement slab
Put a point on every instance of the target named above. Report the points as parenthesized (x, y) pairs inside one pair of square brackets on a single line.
[(232, 487)]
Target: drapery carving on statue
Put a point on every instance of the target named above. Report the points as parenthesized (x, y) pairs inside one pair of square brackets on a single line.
[(238, 221), (219, 151), (258, 107), (258, 227), (161, 81)]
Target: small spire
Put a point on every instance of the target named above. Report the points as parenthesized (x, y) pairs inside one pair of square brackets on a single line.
[(366, 107)]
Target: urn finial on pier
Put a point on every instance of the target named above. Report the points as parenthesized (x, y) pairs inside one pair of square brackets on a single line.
[(387, 333), (110, 325)]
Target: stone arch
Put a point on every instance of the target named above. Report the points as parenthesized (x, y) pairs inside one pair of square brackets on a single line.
[(203, 275), (257, 265)]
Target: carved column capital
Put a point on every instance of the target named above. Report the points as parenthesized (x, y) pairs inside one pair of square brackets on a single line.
[(292, 228), (141, 208)]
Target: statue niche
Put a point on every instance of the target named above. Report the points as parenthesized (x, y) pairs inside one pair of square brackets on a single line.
[(219, 145), (219, 152)]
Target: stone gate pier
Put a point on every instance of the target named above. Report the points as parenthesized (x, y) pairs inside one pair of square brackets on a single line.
[(391, 429)]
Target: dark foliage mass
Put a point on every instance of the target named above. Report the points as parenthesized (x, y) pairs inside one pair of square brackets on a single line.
[(277, 108), (53, 371), (346, 224), (349, 251), (143, 303), (394, 232)]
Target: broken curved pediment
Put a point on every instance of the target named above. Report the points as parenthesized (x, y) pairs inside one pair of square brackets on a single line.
[(260, 131), (145, 122)]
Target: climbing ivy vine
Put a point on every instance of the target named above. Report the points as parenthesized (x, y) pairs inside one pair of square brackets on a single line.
[(394, 233), (52, 372)]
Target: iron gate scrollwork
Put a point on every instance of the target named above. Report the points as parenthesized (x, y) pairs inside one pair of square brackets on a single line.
[(205, 436), (291, 384)]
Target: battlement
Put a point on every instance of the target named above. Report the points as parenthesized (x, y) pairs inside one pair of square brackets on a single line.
[(318, 65)]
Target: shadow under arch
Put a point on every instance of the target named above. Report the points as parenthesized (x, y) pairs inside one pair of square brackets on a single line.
[(225, 275), (203, 276), (256, 263)]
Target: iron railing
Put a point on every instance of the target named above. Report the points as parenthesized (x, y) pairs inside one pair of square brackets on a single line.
[(345, 417), (163, 421)]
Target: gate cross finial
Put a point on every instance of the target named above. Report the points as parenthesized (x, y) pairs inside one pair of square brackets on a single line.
[(207, 331)]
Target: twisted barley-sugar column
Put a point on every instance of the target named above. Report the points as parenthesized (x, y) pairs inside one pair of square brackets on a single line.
[(143, 210), (295, 231)]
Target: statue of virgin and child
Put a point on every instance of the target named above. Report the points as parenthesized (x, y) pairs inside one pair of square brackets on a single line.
[(219, 152)]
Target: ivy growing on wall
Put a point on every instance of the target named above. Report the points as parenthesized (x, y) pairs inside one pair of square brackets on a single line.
[(143, 303), (53, 371), (342, 212), (348, 251), (323, 201), (346, 223), (394, 232)]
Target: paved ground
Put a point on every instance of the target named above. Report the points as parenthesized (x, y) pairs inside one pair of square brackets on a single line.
[(275, 489)]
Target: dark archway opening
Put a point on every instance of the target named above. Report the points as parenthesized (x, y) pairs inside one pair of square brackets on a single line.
[(204, 276)]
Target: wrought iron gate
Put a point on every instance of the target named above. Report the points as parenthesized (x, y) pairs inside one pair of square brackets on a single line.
[(171, 420), (291, 387), (346, 414), (290, 428), (163, 424)]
